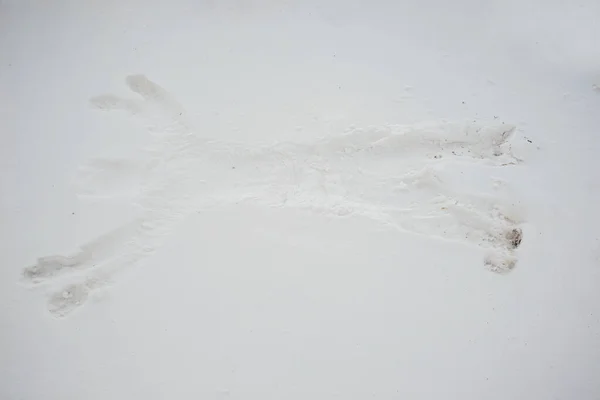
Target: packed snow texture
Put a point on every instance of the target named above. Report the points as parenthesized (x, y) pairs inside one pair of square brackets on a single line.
[(260, 199)]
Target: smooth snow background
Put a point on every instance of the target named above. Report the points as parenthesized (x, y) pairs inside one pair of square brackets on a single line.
[(255, 303)]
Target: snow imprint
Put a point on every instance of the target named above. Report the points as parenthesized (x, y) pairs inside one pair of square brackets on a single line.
[(390, 174)]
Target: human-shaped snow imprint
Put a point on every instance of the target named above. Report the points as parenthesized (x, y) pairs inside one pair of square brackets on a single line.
[(389, 174)]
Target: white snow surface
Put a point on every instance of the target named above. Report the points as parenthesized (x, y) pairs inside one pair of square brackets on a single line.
[(259, 199)]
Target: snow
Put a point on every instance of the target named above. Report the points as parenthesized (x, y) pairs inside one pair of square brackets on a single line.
[(291, 200)]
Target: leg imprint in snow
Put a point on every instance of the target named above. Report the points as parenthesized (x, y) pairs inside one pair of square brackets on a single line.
[(388, 174)]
